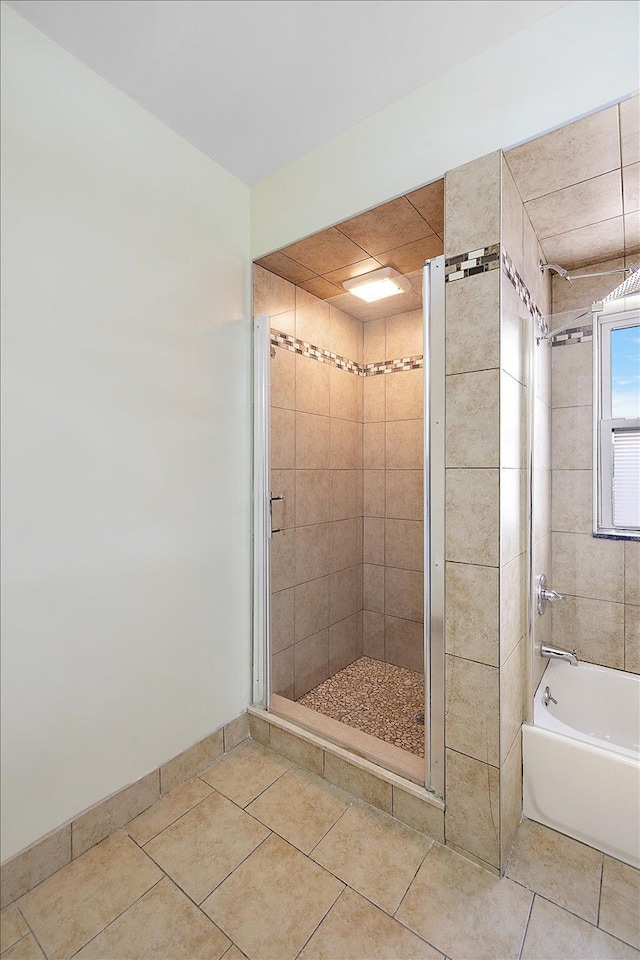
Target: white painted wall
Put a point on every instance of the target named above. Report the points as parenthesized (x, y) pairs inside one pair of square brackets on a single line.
[(573, 62), (125, 598)]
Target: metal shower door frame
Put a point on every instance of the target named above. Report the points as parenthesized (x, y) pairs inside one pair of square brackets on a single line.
[(261, 475), (433, 299)]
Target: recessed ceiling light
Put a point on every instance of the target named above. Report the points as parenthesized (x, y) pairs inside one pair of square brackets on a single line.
[(377, 285)]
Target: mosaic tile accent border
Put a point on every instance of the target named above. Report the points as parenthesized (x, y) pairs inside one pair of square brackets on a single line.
[(468, 264), (523, 292), (287, 342), (582, 334)]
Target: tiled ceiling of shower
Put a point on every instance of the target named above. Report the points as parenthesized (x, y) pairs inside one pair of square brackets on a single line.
[(581, 186), (401, 234)]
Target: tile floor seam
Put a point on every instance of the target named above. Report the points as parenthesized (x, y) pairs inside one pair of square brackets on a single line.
[(327, 832), (600, 893), (526, 926), (19, 940), (268, 787), (239, 864), (344, 887), (402, 898), (117, 917), (170, 824), (578, 917)]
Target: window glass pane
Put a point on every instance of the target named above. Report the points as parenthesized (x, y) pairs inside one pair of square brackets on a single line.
[(626, 478), (625, 372)]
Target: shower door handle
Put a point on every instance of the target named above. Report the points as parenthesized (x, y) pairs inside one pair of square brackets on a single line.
[(273, 500)]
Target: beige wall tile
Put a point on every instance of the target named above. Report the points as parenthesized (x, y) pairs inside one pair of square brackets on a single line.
[(579, 204), (190, 762), (558, 868), (472, 709), (513, 605), (357, 781), (513, 426), (345, 494), (311, 662), (576, 246), (539, 283), (373, 540), (405, 494), (404, 643), (472, 612), (312, 497), (572, 375), (632, 573), (587, 566), (345, 333), (572, 501), (404, 594), (312, 319), (510, 798), (472, 516), (629, 132), (559, 158), (259, 730), (513, 514), (619, 901), (574, 296), (472, 205), (404, 395), (404, 544), (276, 874), (345, 593), (373, 587), (512, 211), (283, 512), (513, 324), (71, 907), (473, 419), (512, 684), (312, 385), (283, 379), (31, 866), (284, 322), (631, 638), (374, 398), (374, 349), (236, 731), (373, 634), (631, 231), (404, 335), (472, 811), (311, 607), (344, 394), (109, 815), (374, 446), (419, 814), (271, 294), (595, 628), (283, 673), (312, 442), (462, 909), (167, 810), (374, 493), (298, 750), (345, 445), (344, 643), (282, 550), (473, 322), (283, 439), (404, 445), (312, 552), (363, 838), (554, 932), (346, 543)]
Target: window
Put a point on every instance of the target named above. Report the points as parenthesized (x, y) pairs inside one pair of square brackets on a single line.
[(617, 422)]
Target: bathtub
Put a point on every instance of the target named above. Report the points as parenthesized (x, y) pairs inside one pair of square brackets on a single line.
[(581, 758)]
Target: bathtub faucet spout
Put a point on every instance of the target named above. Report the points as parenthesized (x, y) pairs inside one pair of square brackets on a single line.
[(555, 653)]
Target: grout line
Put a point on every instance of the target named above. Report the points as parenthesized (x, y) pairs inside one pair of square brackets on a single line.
[(122, 912), (600, 892), (324, 917), (526, 926), (410, 884)]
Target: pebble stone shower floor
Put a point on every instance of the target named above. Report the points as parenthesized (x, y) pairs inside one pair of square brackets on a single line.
[(378, 698)]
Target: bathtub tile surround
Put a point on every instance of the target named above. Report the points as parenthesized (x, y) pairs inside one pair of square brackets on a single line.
[(30, 867), (306, 883)]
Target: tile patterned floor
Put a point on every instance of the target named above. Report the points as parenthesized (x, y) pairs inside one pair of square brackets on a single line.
[(378, 698), (259, 859)]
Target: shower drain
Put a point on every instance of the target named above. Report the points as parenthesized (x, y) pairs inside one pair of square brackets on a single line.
[(419, 718)]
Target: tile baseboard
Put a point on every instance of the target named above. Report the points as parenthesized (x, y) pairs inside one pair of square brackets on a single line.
[(29, 867)]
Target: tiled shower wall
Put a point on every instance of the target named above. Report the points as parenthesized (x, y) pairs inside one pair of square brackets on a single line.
[(393, 495), (487, 323), (316, 461), (600, 578)]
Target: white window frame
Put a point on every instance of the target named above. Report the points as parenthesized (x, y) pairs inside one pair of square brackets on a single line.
[(603, 323)]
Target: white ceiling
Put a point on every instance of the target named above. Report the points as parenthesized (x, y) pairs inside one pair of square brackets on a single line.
[(256, 83)]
